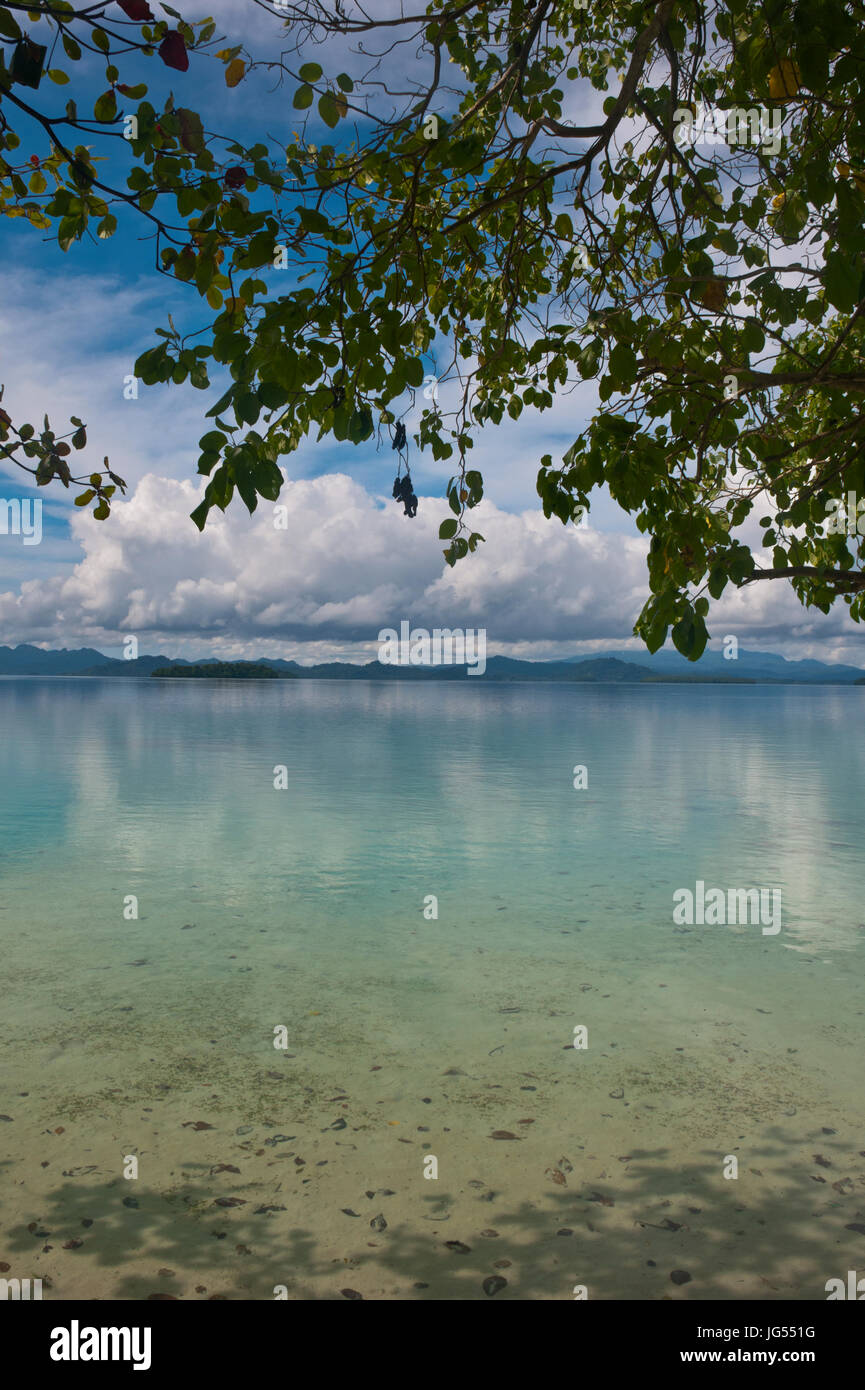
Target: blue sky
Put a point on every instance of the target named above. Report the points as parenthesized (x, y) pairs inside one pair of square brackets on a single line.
[(348, 562)]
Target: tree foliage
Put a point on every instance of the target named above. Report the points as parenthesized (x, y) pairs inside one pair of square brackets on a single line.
[(63, 191), (509, 201)]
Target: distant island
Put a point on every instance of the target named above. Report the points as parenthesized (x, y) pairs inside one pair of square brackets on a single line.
[(221, 670)]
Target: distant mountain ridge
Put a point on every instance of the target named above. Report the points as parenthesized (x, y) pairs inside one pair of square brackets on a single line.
[(33, 661), (603, 667), (758, 666)]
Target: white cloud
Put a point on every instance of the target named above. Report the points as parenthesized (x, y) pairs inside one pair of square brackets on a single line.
[(347, 565)]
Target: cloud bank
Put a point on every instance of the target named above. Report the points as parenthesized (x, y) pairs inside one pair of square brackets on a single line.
[(321, 573)]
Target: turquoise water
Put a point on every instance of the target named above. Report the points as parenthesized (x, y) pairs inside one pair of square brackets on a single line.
[(303, 908)]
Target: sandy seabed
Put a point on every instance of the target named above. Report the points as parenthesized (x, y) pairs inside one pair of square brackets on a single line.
[(300, 1173)]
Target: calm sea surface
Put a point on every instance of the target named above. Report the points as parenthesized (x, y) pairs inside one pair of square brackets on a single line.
[(428, 909)]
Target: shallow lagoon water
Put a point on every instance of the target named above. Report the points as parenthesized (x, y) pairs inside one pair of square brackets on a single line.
[(407, 1036)]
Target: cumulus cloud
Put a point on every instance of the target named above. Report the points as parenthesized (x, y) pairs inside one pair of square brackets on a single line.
[(345, 564), (334, 565)]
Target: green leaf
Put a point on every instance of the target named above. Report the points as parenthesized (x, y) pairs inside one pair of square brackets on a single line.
[(303, 98), (268, 480), (246, 408), (8, 26), (589, 359), (313, 221), (327, 109), (272, 395), (413, 370), (685, 635), (623, 365), (212, 441), (221, 403), (690, 635), (792, 218), (841, 279), (717, 582), (655, 634), (310, 72), (191, 130), (360, 426), (105, 108)]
